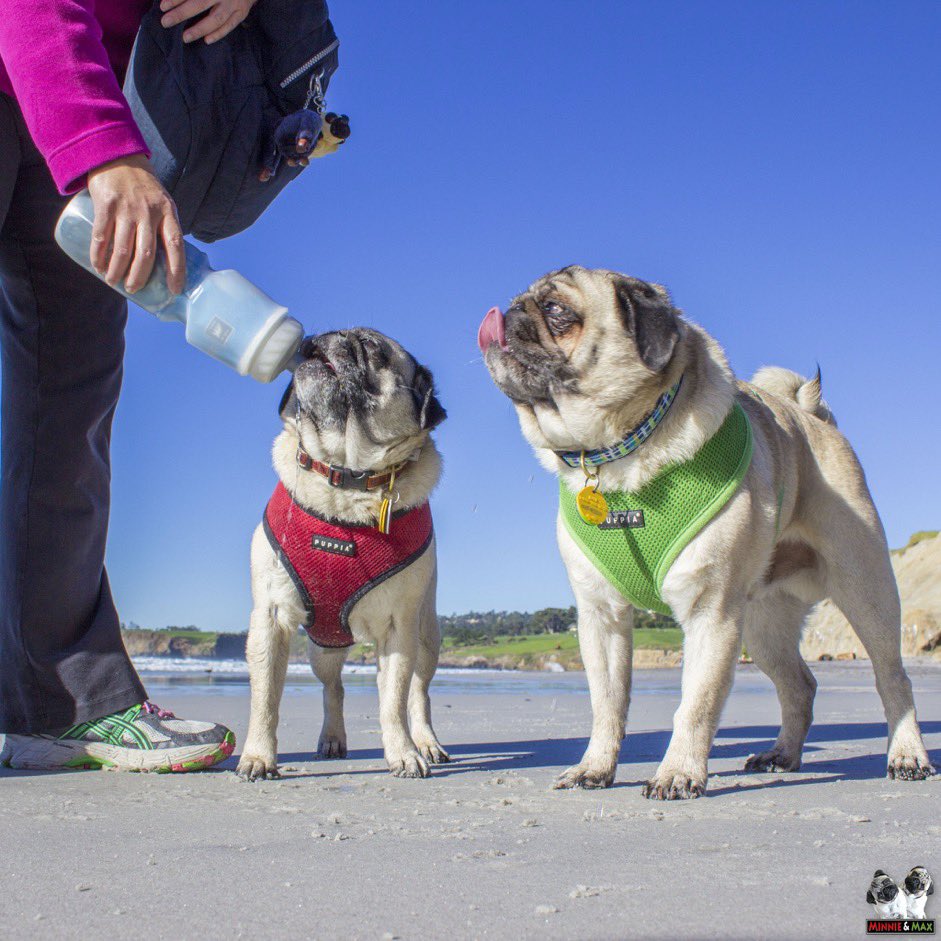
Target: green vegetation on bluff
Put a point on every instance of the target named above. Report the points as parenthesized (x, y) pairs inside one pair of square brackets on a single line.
[(518, 639), (918, 537), (477, 627)]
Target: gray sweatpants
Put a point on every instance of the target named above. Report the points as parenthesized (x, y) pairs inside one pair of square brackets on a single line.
[(62, 345)]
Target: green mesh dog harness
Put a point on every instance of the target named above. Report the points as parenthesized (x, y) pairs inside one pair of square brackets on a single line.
[(646, 530)]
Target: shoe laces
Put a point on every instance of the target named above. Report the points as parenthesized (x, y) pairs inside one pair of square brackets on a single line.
[(150, 709)]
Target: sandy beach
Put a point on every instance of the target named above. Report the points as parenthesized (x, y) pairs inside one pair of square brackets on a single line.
[(484, 848)]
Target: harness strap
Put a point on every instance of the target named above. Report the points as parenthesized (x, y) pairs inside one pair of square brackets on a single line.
[(645, 530)]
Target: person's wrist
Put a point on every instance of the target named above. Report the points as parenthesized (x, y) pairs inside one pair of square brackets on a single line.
[(132, 161)]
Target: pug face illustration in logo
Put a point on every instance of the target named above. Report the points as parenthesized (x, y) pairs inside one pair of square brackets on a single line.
[(899, 907), (918, 885), (885, 897)]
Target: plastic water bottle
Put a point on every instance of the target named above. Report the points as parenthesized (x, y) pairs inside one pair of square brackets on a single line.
[(225, 315)]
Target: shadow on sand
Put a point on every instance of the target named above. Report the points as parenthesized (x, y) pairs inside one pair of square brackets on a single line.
[(645, 747), (642, 747)]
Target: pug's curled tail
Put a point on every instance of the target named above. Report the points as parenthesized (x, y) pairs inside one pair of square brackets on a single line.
[(791, 385)]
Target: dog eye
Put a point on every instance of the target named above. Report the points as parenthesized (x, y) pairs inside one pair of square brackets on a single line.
[(559, 319)]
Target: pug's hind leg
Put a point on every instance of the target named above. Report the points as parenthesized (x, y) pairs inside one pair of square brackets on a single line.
[(327, 664), (863, 587), (772, 639), (419, 701)]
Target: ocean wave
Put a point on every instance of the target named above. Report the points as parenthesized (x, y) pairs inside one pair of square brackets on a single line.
[(200, 665)]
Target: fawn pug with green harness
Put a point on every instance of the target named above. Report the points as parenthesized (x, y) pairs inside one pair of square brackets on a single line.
[(736, 506)]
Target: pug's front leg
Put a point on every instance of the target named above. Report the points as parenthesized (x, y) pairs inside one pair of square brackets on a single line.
[(711, 647), (397, 652), (606, 642), (267, 650)]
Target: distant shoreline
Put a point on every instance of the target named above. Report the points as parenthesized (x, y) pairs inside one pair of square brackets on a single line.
[(537, 653)]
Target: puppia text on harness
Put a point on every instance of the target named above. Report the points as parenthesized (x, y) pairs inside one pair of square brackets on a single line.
[(333, 564)]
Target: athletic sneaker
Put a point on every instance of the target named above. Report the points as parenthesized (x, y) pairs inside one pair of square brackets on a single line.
[(142, 738)]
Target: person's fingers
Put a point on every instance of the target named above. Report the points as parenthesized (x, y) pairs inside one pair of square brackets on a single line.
[(124, 230), (217, 17), (172, 236), (225, 28), (101, 233), (178, 11), (142, 263), (304, 161)]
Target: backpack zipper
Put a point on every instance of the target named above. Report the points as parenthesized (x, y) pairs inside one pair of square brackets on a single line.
[(310, 63)]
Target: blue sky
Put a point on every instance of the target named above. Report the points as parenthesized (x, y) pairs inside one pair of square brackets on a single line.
[(776, 165)]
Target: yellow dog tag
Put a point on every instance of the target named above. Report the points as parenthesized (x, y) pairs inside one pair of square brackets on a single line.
[(384, 521), (592, 506)]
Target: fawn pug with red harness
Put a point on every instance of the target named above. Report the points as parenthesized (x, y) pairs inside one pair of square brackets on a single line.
[(346, 546), (735, 506)]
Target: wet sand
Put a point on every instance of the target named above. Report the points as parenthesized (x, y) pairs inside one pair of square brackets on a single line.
[(484, 848)]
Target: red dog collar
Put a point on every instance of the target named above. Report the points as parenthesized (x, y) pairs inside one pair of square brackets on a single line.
[(343, 477)]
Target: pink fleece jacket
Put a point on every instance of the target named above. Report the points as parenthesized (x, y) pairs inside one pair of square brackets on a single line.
[(61, 60)]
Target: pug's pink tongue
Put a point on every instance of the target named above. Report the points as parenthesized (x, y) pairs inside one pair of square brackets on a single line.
[(491, 330)]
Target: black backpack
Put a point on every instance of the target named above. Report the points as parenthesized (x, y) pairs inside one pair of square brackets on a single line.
[(209, 113)]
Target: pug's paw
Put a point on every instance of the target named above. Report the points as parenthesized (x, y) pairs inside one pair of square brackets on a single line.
[(410, 765), (774, 760), (673, 786), (585, 775), (432, 752), (331, 746), (256, 767), (910, 767)]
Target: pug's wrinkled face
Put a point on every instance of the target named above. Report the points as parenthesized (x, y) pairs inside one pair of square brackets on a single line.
[(883, 889), (360, 400), (580, 353), (918, 881)]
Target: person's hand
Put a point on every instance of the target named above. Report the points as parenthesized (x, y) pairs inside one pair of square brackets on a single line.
[(132, 211), (223, 17)]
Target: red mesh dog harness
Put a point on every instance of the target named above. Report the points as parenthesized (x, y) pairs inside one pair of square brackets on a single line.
[(334, 564)]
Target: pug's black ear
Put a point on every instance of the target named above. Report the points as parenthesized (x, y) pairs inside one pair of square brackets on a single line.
[(878, 872), (288, 404), (870, 899), (650, 318), (931, 888), (430, 411)]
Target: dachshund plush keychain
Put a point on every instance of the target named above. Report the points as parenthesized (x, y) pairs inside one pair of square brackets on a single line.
[(306, 134)]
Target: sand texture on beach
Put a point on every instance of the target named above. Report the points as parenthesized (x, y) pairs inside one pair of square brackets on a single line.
[(484, 848)]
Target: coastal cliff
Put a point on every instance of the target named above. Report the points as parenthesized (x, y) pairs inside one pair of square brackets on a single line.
[(917, 567)]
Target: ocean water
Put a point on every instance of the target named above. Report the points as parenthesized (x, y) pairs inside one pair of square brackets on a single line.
[(196, 675), (185, 666), (199, 676)]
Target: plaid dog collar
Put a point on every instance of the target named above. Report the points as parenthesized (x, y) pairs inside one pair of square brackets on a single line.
[(630, 442)]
